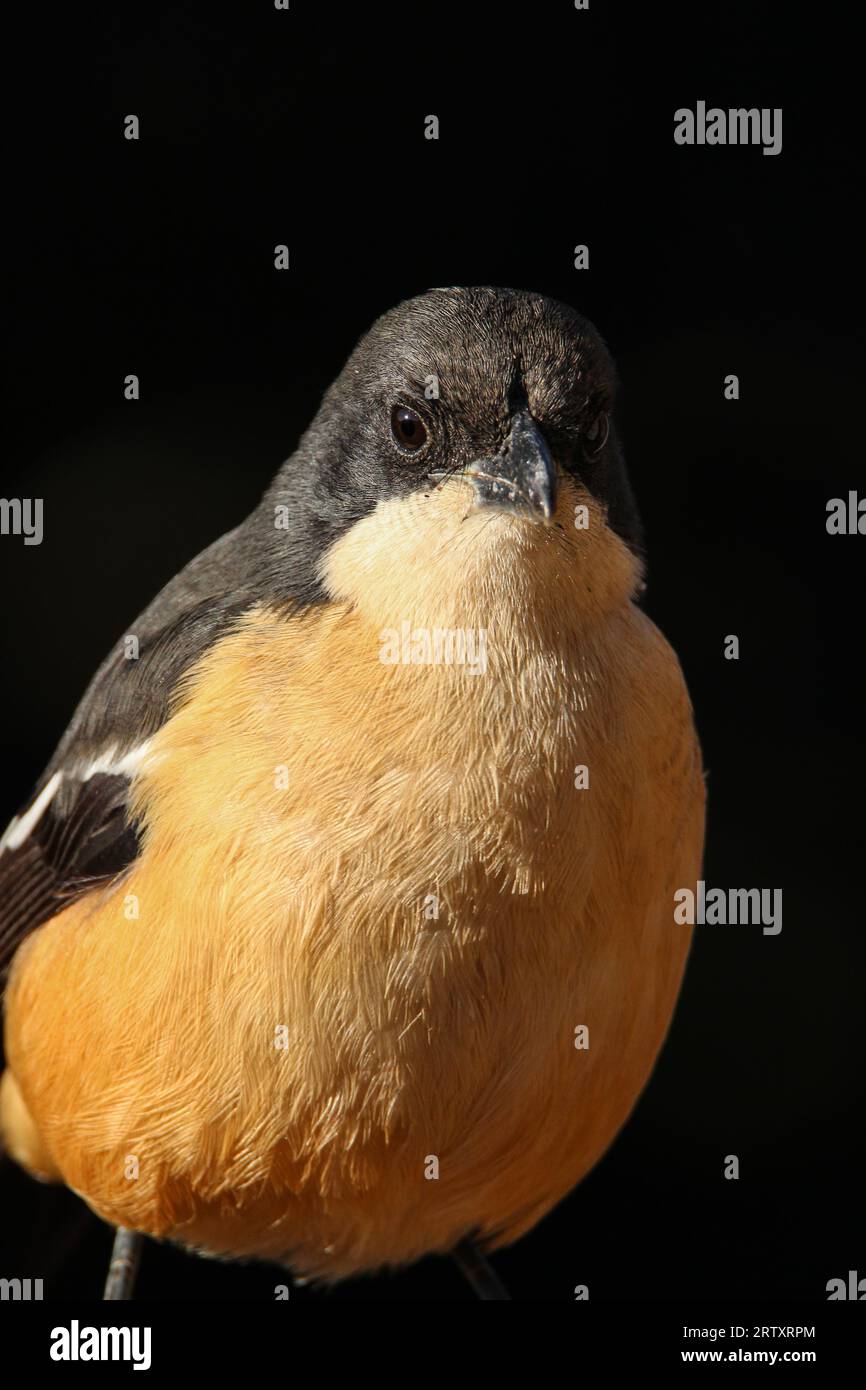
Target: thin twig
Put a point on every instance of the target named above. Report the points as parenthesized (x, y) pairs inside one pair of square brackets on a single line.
[(479, 1272), (125, 1255)]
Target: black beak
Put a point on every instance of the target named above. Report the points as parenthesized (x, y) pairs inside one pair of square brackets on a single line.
[(522, 477)]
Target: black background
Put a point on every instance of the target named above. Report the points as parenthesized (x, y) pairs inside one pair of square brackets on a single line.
[(156, 257)]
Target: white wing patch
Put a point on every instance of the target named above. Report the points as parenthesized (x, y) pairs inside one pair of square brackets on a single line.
[(21, 827), (127, 766)]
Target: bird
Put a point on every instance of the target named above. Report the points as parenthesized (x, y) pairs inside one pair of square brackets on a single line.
[(339, 929)]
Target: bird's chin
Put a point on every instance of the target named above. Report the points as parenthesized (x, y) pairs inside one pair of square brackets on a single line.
[(451, 557)]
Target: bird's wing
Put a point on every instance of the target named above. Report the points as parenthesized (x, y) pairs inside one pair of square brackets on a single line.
[(74, 833), (54, 851)]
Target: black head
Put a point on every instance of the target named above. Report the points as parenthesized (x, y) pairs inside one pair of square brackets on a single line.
[(439, 383), (455, 401)]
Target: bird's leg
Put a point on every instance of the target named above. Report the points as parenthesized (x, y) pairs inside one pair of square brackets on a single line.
[(125, 1255), (479, 1272)]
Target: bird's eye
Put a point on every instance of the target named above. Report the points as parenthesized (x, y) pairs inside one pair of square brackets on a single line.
[(407, 428), (596, 435)]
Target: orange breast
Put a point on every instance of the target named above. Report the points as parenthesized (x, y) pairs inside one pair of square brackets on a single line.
[(330, 1014)]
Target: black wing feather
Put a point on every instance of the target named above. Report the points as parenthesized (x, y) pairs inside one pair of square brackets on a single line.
[(84, 837), (65, 856)]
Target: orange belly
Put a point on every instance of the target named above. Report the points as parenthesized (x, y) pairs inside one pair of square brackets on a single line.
[(329, 1016)]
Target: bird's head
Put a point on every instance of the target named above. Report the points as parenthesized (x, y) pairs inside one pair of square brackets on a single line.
[(466, 459)]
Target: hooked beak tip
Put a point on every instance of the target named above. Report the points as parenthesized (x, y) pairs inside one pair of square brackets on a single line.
[(523, 475)]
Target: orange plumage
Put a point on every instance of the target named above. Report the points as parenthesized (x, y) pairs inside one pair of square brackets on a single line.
[(265, 1060)]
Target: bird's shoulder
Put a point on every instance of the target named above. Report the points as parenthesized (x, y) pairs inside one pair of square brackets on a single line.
[(75, 832)]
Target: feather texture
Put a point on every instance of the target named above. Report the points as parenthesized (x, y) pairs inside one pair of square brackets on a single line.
[(283, 1040)]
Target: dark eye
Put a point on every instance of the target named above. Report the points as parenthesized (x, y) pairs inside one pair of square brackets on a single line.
[(407, 428), (596, 435)]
